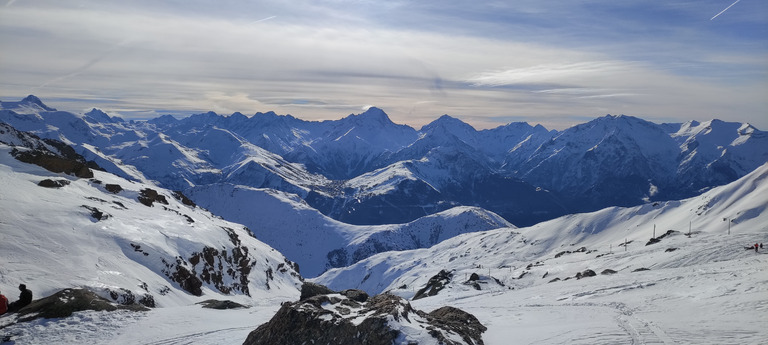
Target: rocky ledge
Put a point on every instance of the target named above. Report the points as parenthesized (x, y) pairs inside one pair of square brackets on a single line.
[(351, 317)]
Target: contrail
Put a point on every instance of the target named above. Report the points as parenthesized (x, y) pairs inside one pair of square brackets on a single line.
[(726, 9), (262, 20)]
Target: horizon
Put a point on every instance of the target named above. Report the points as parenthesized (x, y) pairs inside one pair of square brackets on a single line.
[(556, 64), (183, 115)]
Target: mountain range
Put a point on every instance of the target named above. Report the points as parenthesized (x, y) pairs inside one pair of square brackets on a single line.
[(364, 169)]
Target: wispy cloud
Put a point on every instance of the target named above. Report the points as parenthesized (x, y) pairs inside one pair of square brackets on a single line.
[(319, 60)]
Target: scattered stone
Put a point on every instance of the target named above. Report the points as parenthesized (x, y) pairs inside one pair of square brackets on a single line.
[(641, 269), (48, 183), (473, 277), (221, 305), (113, 188), (670, 250), (585, 274), (658, 239), (96, 213), (608, 271), (554, 280)]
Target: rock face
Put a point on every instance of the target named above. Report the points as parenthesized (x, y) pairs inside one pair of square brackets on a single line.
[(351, 318)]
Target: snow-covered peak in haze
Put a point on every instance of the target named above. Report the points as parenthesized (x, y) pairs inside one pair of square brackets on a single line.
[(371, 116), (98, 116), (448, 124), (29, 105)]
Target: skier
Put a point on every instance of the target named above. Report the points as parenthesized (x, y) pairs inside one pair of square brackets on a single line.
[(25, 298), (755, 247), (761, 245), (3, 304)]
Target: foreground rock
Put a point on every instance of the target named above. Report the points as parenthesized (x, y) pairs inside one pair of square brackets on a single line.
[(349, 318), (68, 301)]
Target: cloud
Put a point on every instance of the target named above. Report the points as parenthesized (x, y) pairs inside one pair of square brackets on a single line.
[(320, 60)]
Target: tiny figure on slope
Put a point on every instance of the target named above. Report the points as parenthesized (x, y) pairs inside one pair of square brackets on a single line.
[(761, 245), (25, 298), (3, 304), (755, 247)]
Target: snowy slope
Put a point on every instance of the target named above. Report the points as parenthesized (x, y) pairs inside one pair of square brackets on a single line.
[(744, 202), (705, 288), (317, 242), (82, 235)]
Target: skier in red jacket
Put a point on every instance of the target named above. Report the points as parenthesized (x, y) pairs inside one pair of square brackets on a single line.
[(3, 304)]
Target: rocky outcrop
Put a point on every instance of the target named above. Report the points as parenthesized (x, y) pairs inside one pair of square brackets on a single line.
[(68, 301), (184, 199), (337, 318), (226, 270), (51, 154), (434, 285), (148, 196)]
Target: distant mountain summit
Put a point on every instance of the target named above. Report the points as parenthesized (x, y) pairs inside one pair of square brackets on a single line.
[(29, 104)]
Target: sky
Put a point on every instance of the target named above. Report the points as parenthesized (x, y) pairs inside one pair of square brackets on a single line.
[(556, 63)]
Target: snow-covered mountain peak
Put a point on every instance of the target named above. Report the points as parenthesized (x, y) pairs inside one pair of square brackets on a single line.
[(448, 123), (99, 116), (373, 116), (29, 105)]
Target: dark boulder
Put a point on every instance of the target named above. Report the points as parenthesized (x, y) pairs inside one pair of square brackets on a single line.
[(113, 188), (221, 305), (356, 295), (48, 183), (607, 271), (585, 274), (311, 289)]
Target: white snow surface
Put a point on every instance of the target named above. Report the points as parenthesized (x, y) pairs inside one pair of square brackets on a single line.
[(307, 237), (711, 290), (50, 241)]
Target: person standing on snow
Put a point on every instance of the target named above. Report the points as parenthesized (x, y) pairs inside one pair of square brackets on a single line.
[(25, 298), (755, 247)]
